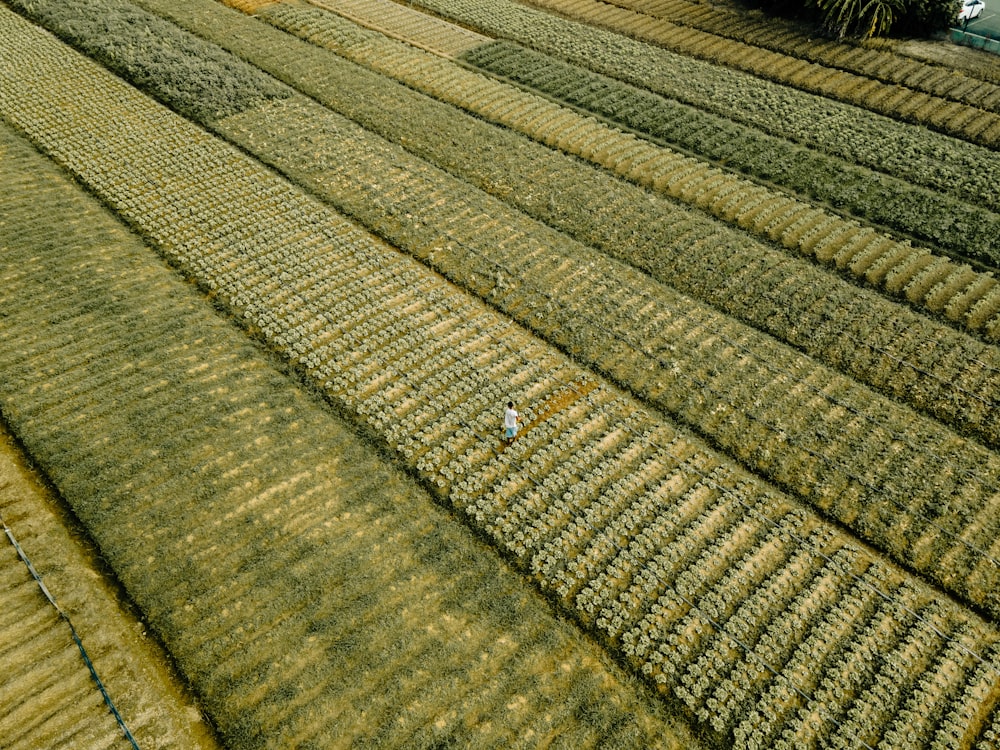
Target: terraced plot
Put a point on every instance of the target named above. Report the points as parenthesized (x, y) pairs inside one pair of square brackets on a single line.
[(751, 614)]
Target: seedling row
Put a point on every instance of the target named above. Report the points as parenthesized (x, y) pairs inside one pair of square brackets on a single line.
[(912, 153), (949, 116), (882, 63), (622, 222), (307, 590)]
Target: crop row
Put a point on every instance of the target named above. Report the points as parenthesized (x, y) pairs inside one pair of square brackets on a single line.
[(954, 118), (419, 29), (589, 305), (943, 220), (911, 153), (795, 302), (718, 530), (947, 222), (261, 509), (882, 63)]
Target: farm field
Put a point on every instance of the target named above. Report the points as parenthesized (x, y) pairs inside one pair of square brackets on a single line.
[(758, 370), (309, 593)]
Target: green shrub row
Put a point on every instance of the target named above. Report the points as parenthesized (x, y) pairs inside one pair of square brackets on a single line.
[(959, 81)]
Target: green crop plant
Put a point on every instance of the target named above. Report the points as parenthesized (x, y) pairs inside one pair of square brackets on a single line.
[(869, 255), (860, 20), (827, 126)]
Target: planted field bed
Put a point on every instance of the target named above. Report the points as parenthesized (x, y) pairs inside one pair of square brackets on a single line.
[(678, 247), (398, 21), (948, 224), (310, 593), (976, 123), (895, 148), (967, 297), (48, 697), (941, 219), (761, 621), (917, 490)]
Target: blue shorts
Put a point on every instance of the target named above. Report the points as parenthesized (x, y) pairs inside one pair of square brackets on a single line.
[(511, 432)]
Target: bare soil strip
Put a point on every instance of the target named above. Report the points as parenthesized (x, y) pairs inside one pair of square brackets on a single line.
[(756, 615), (312, 595)]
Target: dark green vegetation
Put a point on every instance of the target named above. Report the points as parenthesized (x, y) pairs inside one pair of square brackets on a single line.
[(158, 58), (943, 218), (873, 18)]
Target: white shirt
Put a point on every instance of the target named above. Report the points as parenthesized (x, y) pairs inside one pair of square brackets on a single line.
[(510, 418)]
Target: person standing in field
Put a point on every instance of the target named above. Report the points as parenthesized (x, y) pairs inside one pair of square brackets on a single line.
[(511, 419)]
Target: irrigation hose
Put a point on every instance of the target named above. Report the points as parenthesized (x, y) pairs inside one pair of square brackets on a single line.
[(72, 630)]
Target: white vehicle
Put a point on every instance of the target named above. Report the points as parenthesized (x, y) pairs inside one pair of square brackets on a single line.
[(971, 9)]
